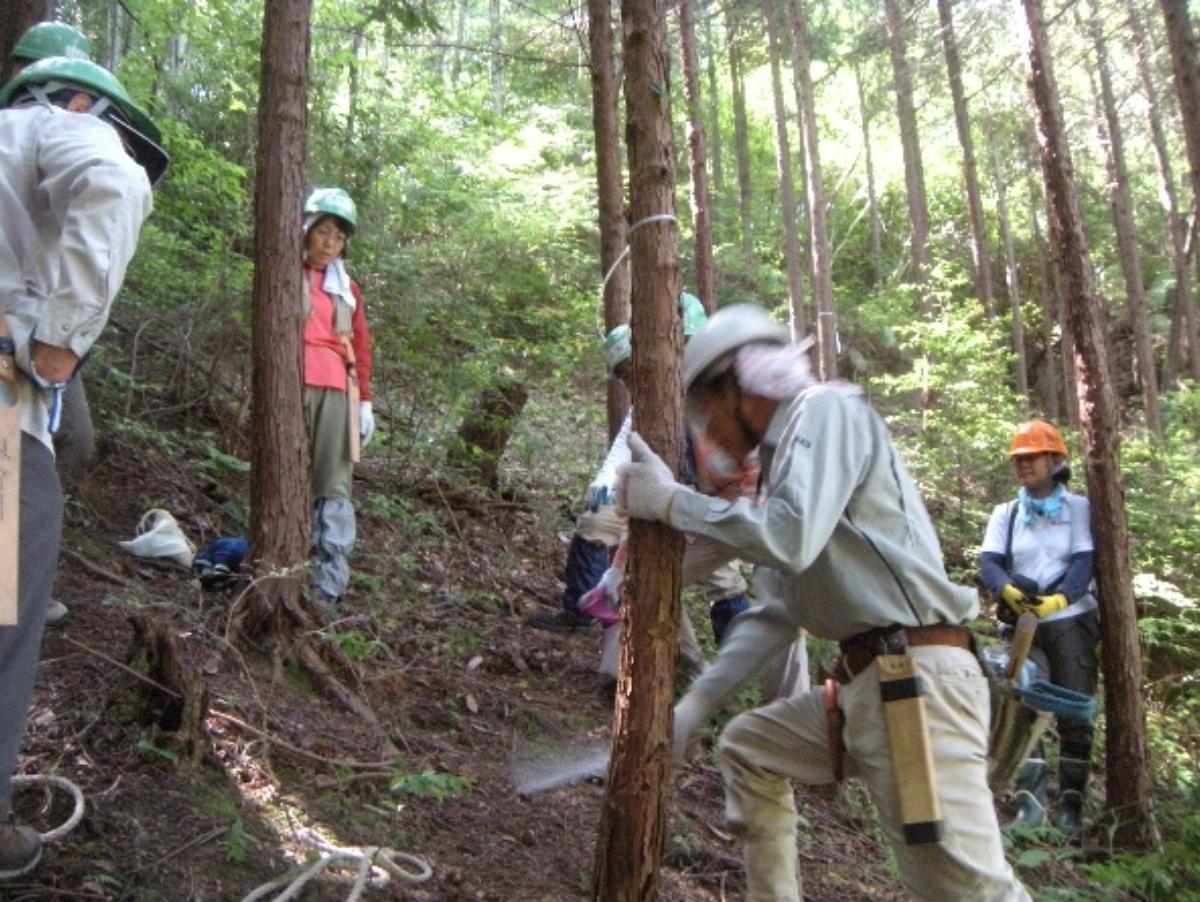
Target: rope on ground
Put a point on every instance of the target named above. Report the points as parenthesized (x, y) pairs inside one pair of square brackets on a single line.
[(375, 866), (67, 786)]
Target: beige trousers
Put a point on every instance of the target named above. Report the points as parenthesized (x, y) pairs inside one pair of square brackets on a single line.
[(761, 750)]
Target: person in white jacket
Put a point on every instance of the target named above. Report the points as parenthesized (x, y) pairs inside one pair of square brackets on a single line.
[(77, 161), (853, 558)]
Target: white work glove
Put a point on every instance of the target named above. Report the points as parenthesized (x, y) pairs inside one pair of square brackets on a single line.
[(645, 486), (691, 713), (366, 422), (597, 496)]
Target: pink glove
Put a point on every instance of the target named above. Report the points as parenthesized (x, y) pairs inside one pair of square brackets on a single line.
[(595, 604)]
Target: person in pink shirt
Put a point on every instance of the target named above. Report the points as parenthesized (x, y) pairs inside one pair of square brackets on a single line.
[(337, 345)]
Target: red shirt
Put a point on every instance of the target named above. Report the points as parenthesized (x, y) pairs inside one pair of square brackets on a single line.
[(324, 355)]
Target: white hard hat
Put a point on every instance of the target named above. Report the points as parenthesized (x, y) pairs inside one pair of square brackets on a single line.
[(727, 330)]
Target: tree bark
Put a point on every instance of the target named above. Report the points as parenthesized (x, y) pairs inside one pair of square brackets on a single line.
[(706, 276), (1128, 801), (19, 16), (876, 234), (280, 507), (1182, 45), (494, 61), (714, 111), (787, 191), (741, 138), (1010, 277), (633, 819), (822, 264), (487, 427), (610, 191), (914, 170), (981, 258), (1050, 307), (1184, 319), (1108, 125)]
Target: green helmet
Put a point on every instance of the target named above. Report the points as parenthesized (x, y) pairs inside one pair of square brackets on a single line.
[(138, 130), (618, 347), (47, 39), (332, 202), (693, 314)]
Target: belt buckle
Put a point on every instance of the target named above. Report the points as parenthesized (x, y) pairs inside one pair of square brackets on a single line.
[(892, 641)]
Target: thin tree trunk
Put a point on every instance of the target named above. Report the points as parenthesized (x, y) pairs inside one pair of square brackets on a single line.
[(1182, 44), (356, 44), (1050, 307), (787, 192), (460, 40), (741, 138), (714, 111), (910, 143), (1184, 319), (280, 507), (494, 61), (981, 258), (632, 830), (1128, 801), (19, 16), (1010, 276), (872, 195), (706, 277), (822, 266), (1109, 126), (610, 191)]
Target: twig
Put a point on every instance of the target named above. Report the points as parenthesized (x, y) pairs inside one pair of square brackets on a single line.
[(97, 570), (198, 841), (125, 667)]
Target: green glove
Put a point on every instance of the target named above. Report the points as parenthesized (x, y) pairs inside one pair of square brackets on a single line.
[(1015, 598), (1048, 604)]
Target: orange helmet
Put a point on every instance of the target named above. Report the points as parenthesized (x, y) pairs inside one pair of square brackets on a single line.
[(1037, 437)]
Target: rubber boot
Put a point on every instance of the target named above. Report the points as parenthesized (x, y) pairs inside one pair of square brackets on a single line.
[(20, 851), (1031, 795), (586, 563), (771, 873), (1072, 783)]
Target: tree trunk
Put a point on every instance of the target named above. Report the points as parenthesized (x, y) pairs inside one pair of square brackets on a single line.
[(1010, 276), (1184, 315), (714, 110), (494, 61), (981, 258), (1050, 307), (487, 427), (706, 278), (19, 16), (872, 195), (914, 170), (280, 507), (633, 818), (822, 265), (741, 138), (610, 192), (787, 192), (1128, 801), (1182, 45), (1109, 127)]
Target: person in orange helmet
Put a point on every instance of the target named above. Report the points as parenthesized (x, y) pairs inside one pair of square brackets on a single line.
[(1037, 556)]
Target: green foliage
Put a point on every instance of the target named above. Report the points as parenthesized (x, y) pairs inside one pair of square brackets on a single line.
[(430, 784), (357, 646), (237, 843), (145, 745)]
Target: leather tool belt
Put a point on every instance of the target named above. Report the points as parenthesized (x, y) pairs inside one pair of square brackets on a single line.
[(860, 650)]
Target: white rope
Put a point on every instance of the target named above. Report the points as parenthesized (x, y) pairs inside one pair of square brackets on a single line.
[(66, 785), (657, 217), (374, 866)]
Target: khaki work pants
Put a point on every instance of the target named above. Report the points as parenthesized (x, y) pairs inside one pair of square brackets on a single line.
[(761, 750)]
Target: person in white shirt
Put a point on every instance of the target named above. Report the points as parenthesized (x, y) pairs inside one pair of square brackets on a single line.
[(77, 161), (1037, 556)]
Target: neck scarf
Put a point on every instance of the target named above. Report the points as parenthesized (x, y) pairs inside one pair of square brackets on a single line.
[(1049, 507)]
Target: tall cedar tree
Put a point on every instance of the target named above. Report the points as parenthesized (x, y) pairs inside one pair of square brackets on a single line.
[(633, 819), (876, 234), (981, 257), (787, 191), (706, 274), (1011, 282), (610, 193), (1182, 43), (821, 271), (19, 15), (741, 135), (1128, 800)]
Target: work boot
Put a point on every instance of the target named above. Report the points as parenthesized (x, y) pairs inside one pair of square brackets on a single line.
[(771, 873), (20, 850), (1031, 795), (560, 621), (1072, 781)]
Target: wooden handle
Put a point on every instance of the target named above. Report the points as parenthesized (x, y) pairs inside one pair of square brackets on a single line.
[(1026, 627), (10, 509), (908, 742)]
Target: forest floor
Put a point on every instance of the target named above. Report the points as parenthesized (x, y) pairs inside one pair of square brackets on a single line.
[(435, 623)]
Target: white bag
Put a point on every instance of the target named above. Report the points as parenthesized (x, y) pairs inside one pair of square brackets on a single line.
[(158, 535)]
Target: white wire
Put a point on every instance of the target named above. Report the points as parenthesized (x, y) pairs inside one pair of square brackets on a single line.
[(657, 217)]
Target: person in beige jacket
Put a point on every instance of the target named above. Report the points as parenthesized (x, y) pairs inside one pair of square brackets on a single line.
[(852, 556)]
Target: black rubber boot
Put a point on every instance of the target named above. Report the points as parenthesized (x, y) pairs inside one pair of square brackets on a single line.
[(1031, 795), (1072, 784)]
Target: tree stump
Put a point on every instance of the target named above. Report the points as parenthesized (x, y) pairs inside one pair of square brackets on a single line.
[(487, 427), (178, 702)]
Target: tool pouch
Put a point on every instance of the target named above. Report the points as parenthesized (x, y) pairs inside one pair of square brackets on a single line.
[(1016, 728), (908, 740)]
